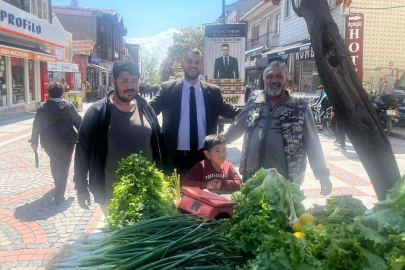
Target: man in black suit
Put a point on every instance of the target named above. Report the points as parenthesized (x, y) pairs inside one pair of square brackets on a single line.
[(190, 109), (226, 67)]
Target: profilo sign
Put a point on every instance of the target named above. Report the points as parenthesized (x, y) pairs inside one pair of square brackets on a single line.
[(23, 24), (354, 41)]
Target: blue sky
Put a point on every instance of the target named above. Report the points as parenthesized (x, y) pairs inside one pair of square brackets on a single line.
[(145, 18)]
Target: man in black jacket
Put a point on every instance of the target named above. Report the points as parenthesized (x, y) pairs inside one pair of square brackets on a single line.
[(190, 109), (113, 128), (54, 122)]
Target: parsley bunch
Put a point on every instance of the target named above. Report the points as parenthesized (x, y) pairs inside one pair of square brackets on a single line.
[(140, 192)]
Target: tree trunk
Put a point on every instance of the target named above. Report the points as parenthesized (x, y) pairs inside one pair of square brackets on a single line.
[(349, 99)]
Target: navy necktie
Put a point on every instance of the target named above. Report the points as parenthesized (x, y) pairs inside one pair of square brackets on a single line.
[(193, 121)]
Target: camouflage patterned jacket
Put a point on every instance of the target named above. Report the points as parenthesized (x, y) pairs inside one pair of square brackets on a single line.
[(281, 137)]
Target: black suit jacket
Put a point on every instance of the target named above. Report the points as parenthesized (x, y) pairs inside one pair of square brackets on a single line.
[(168, 102), (221, 72)]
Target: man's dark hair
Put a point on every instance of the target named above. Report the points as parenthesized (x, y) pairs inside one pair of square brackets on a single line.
[(126, 65), (55, 90), (212, 140), (193, 51), (225, 45)]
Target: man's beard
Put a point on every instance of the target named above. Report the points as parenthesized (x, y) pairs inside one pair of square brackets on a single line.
[(123, 98), (187, 75), (271, 92)]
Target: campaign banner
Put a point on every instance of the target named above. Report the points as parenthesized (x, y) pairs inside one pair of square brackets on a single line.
[(224, 59)]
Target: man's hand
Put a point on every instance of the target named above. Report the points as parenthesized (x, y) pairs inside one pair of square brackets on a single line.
[(214, 184), (34, 148), (326, 186), (82, 198)]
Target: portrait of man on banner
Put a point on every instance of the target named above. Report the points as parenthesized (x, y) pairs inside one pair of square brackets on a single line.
[(226, 66)]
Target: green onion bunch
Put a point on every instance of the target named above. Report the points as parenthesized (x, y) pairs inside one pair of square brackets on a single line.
[(170, 242)]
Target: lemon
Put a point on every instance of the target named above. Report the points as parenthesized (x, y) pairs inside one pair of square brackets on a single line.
[(299, 235), (305, 218), (297, 227), (320, 226)]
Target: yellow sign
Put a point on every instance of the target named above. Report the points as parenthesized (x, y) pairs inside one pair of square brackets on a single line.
[(75, 97)]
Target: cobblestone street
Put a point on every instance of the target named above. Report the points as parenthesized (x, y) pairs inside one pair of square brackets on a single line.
[(33, 229)]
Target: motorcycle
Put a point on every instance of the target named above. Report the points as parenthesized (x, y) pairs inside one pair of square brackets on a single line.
[(387, 109)]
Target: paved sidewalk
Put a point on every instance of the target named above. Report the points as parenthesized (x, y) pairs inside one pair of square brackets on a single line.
[(33, 229)]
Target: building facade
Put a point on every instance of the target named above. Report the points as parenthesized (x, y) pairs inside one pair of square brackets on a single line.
[(376, 52), (263, 24), (295, 48), (28, 42), (101, 32), (382, 43)]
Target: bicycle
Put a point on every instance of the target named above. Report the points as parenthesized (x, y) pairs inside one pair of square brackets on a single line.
[(326, 118)]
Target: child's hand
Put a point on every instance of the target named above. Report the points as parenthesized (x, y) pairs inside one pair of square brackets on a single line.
[(214, 184)]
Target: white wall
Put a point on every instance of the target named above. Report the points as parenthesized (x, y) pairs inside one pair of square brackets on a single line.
[(294, 29)]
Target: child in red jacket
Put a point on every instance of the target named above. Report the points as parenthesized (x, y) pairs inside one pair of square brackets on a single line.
[(215, 172)]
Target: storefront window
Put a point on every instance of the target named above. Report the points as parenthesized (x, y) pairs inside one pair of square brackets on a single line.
[(3, 86), (17, 73), (310, 77), (31, 79)]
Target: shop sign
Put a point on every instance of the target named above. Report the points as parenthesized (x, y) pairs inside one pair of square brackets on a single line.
[(63, 67), (94, 60), (59, 53), (18, 22), (44, 57), (15, 52), (304, 53), (354, 41), (73, 12)]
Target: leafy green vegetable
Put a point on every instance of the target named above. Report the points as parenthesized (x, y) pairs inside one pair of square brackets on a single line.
[(141, 191), (338, 209), (389, 216), (264, 201)]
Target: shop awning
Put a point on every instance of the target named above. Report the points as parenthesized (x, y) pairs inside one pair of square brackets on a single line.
[(20, 51), (286, 50), (256, 51), (99, 67), (63, 67)]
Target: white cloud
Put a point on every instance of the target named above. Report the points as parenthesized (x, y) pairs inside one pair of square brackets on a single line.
[(155, 46)]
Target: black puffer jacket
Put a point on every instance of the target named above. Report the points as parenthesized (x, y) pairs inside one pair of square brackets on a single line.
[(54, 122)]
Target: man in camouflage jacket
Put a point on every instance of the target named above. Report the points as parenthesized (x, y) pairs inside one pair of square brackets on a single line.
[(279, 133)]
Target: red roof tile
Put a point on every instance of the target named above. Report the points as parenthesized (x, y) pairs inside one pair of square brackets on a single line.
[(83, 46)]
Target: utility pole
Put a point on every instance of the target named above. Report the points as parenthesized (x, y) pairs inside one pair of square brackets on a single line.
[(223, 11)]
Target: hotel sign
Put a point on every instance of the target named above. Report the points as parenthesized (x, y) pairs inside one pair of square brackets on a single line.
[(354, 41)]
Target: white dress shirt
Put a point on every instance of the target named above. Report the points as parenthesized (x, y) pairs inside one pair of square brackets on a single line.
[(184, 127)]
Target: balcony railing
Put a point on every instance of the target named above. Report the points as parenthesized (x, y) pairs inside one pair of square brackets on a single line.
[(270, 40)]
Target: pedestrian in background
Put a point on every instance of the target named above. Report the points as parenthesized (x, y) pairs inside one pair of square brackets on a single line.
[(55, 124), (340, 134), (248, 90), (64, 85), (88, 91)]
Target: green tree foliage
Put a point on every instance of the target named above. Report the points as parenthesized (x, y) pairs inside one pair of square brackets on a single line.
[(189, 38), (151, 69)]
